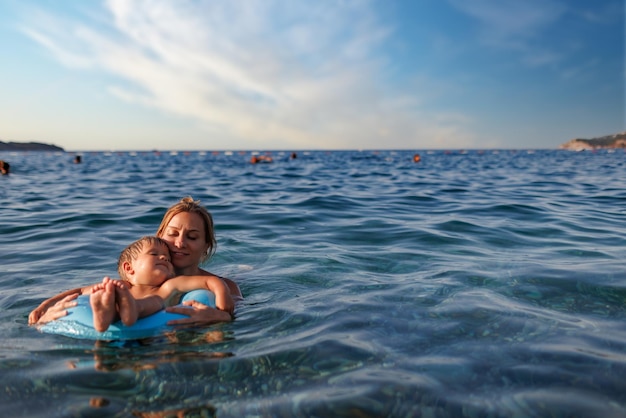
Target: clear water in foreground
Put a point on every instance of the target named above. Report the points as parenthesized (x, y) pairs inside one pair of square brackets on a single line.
[(478, 284)]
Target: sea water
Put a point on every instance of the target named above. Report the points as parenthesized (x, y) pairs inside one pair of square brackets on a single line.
[(473, 284)]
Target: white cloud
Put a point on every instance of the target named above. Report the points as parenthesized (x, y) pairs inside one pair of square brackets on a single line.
[(602, 12), (516, 26), (506, 21), (307, 74)]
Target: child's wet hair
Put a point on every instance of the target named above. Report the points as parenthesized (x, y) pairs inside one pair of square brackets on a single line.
[(131, 252)]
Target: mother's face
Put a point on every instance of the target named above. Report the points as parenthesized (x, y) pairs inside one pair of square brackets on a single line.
[(187, 241)]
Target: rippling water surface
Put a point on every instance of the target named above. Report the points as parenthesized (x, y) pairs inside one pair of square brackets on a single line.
[(470, 284)]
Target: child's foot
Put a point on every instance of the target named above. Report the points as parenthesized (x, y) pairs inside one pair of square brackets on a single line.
[(102, 301), (126, 303)]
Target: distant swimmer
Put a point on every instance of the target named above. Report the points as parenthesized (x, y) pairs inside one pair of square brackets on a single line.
[(417, 158), (260, 159), (77, 159), (294, 156), (5, 168)]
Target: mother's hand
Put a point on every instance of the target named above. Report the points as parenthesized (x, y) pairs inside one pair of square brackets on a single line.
[(43, 314), (198, 313)]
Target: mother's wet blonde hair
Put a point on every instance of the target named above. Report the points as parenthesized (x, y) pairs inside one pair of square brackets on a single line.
[(187, 204)]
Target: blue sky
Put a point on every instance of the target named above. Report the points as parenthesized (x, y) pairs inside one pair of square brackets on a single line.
[(265, 74)]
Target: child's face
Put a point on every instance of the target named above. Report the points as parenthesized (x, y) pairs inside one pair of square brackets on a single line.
[(152, 266)]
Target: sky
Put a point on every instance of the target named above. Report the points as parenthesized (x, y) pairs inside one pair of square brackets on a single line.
[(310, 75)]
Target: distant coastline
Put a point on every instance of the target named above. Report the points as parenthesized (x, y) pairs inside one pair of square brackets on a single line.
[(28, 146), (608, 141), (577, 144)]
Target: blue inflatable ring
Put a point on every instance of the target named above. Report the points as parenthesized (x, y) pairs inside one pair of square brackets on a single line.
[(78, 323)]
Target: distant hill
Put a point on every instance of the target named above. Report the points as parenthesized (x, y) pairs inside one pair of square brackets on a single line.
[(28, 146), (609, 141)]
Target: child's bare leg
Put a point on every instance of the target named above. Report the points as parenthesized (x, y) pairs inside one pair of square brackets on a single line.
[(126, 304), (102, 301)]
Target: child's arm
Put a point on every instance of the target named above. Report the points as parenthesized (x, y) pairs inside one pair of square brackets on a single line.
[(149, 305), (223, 299)]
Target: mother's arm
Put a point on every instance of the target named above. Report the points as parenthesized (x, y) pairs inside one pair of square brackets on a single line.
[(198, 314), (55, 307)]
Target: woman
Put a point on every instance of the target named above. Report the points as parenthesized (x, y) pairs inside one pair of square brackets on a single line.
[(187, 227)]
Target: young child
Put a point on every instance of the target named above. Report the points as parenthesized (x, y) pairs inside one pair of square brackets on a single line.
[(147, 286)]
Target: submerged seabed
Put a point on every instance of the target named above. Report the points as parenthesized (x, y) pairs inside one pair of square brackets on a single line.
[(476, 284)]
